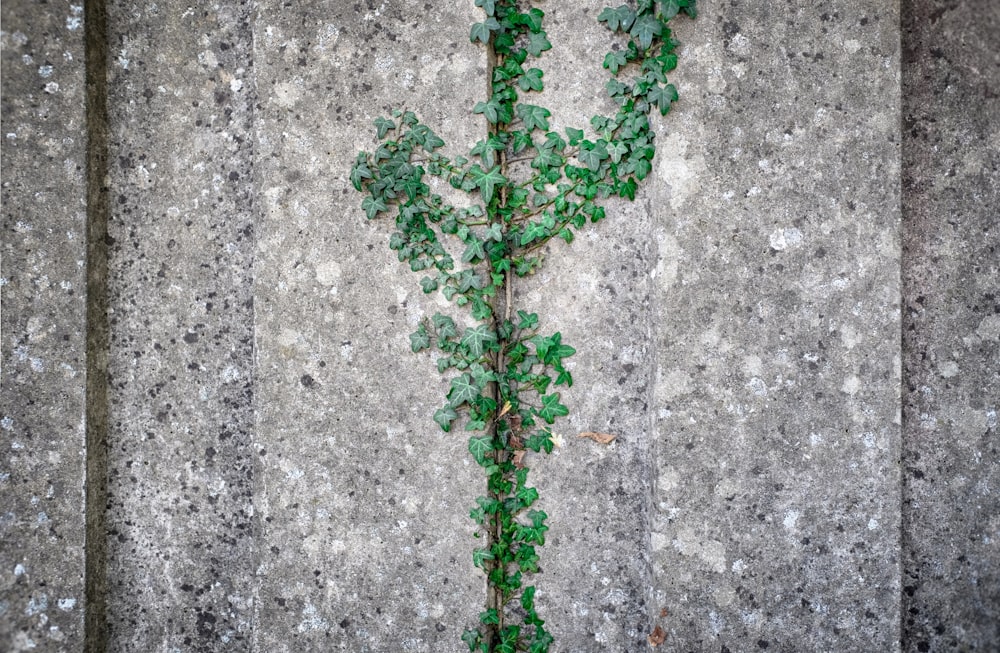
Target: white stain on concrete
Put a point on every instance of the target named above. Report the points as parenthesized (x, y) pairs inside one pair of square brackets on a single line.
[(711, 552), (311, 619), (679, 170), (328, 273), (782, 239)]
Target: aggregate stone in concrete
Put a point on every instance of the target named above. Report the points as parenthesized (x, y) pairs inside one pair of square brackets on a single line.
[(365, 541), (180, 457), (951, 335), (42, 334), (776, 307)]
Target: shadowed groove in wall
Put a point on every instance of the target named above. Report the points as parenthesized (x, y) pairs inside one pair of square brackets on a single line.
[(98, 210)]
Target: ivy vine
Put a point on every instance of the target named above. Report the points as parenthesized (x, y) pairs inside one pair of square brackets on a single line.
[(528, 185)]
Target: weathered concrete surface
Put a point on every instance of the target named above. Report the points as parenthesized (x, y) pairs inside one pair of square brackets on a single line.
[(276, 482), (42, 332), (180, 456), (777, 321), (951, 335), (365, 540)]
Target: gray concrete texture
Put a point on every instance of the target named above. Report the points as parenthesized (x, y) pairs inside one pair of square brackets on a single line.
[(794, 333)]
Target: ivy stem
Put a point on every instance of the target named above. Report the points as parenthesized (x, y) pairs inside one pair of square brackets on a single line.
[(494, 593)]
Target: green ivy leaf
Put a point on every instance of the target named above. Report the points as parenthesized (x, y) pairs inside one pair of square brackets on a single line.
[(489, 6), (613, 61), (480, 448), (537, 43), (480, 556), (489, 109), (487, 181), (444, 417), (463, 390), (373, 206), (564, 378), (669, 8), (558, 351), (546, 159), (534, 117), (444, 325), (526, 320), (481, 31), (533, 231), (616, 150), (494, 232), (531, 80), (528, 598), (527, 496), (383, 125), (428, 284), (621, 17), (359, 172), (551, 408), (591, 158), (539, 441), (473, 250), (472, 637), (522, 141), (420, 339), (533, 19), (477, 339), (645, 28), (662, 96)]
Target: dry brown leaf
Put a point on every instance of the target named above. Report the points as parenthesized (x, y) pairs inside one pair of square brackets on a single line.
[(600, 438), (518, 458), (657, 637), (663, 612)]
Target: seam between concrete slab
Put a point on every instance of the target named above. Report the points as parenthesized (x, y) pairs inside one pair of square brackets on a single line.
[(652, 441), (907, 69), (97, 327), (900, 479), (257, 487)]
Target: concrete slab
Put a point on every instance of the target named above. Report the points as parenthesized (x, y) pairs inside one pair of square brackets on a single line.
[(180, 455), (951, 335), (365, 541), (776, 295), (597, 584), (42, 332)]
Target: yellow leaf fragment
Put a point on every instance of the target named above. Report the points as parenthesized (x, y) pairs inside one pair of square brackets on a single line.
[(600, 438)]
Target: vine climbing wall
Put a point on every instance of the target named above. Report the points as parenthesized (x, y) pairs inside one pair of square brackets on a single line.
[(216, 436)]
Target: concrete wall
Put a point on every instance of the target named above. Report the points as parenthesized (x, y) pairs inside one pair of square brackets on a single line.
[(215, 437)]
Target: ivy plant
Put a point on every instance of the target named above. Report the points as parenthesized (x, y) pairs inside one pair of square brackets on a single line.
[(527, 185)]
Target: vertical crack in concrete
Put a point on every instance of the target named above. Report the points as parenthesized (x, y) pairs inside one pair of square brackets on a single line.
[(97, 328)]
